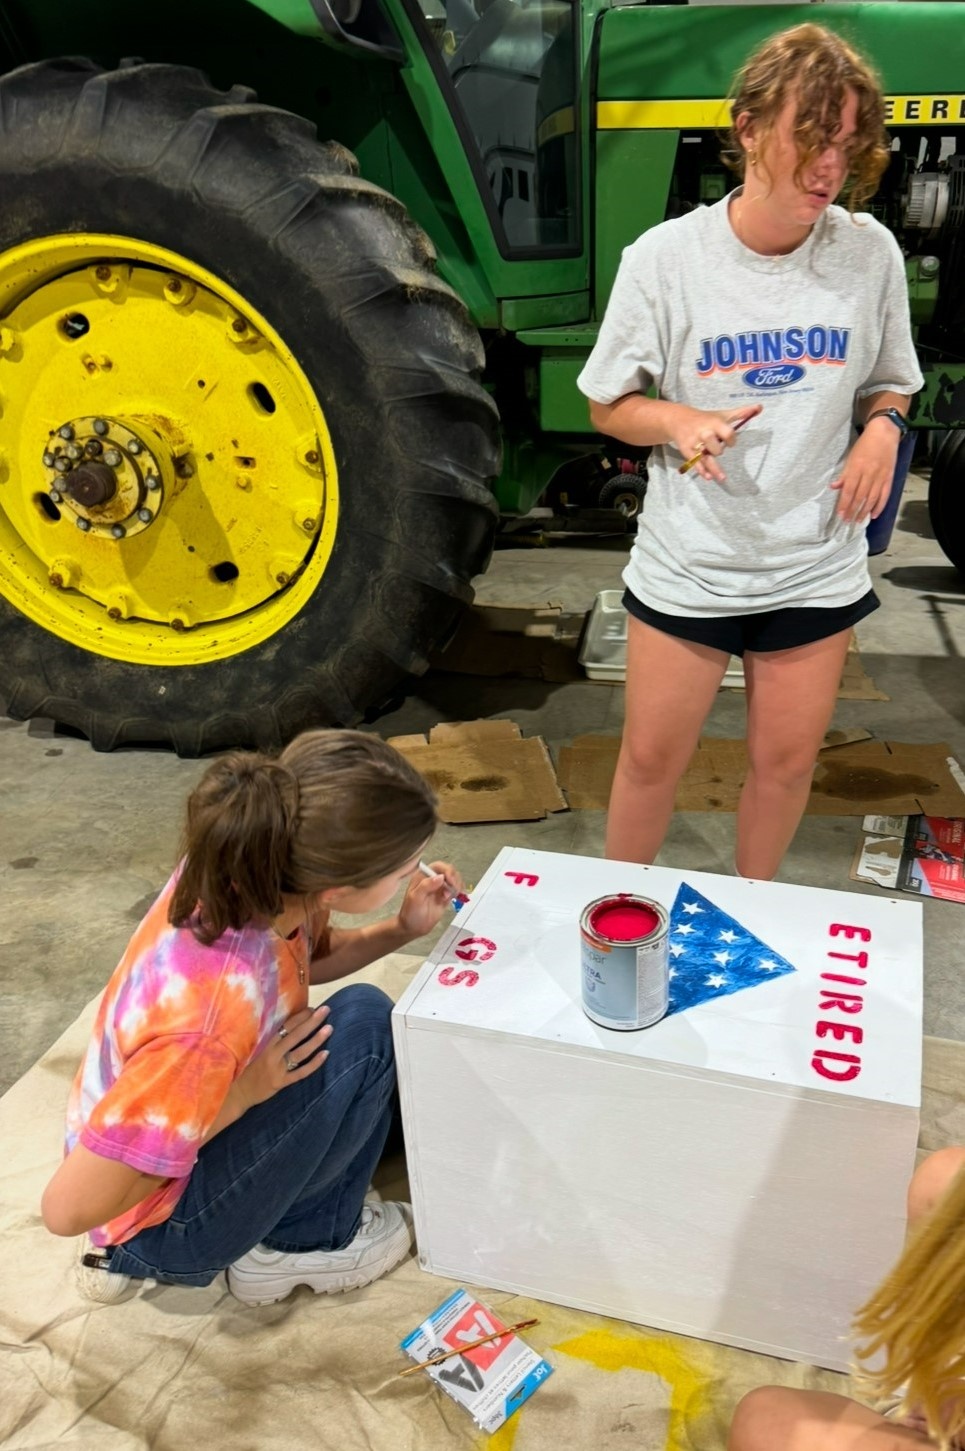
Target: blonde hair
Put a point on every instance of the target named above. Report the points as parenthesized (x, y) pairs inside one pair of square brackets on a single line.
[(337, 808), (819, 68), (916, 1320)]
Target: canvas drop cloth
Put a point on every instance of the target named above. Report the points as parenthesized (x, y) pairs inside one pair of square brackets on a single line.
[(193, 1370)]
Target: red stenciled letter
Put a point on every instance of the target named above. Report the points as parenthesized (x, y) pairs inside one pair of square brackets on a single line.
[(842, 929), (469, 952), (463, 975), (839, 1031), (847, 1075), (841, 1002), (860, 959), (522, 879)]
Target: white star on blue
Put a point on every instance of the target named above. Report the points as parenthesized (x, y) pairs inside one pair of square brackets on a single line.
[(701, 969)]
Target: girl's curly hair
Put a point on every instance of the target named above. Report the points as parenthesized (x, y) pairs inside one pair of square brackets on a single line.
[(818, 68)]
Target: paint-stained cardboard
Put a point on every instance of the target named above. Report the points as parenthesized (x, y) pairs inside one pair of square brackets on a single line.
[(852, 779), (484, 770)]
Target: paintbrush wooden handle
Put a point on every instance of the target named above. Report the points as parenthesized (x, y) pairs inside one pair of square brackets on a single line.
[(470, 1345)]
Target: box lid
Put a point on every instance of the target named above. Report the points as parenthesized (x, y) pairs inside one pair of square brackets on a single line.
[(797, 986)]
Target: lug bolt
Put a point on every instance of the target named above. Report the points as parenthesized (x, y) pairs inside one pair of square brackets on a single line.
[(72, 451), (112, 458), (62, 465), (134, 445), (48, 460), (100, 426), (93, 447), (239, 325), (312, 456), (309, 526), (177, 623), (55, 494), (102, 273), (66, 431), (152, 482), (184, 468), (173, 284), (117, 531), (145, 516), (83, 524)]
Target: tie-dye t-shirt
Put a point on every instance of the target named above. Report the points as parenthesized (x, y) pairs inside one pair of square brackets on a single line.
[(177, 1024)]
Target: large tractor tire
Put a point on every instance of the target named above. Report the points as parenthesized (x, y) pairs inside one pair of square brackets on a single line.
[(946, 497), (244, 447)]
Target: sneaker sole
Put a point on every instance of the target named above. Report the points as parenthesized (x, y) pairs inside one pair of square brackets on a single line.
[(267, 1293)]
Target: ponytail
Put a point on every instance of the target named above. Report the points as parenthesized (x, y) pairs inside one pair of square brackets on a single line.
[(338, 808), (236, 846)]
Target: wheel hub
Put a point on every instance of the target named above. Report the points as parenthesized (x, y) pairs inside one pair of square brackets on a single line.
[(107, 474)]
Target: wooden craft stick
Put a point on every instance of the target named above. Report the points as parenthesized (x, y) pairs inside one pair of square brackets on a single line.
[(470, 1345)]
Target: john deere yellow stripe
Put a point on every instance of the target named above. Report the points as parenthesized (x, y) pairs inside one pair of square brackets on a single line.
[(714, 115)]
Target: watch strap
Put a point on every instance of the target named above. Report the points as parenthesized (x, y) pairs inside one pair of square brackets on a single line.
[(898, 419)]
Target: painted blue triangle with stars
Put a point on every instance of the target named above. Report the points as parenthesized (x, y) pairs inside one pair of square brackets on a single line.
[(712, 955)]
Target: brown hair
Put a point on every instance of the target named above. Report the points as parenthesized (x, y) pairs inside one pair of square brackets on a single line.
[(817, 67), (337, 808), (915, 1320)]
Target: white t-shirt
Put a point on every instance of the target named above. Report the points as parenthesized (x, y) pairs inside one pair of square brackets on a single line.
[(716, 326)]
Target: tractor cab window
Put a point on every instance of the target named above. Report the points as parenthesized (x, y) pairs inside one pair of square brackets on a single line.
[(511, 66)]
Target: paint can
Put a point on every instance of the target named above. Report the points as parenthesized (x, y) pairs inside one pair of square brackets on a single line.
[(626, 979)]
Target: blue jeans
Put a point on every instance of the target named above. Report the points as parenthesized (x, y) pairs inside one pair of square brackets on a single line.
[(292, 1172)]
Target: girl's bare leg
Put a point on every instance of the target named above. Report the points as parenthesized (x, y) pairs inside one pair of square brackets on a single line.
[(671, 686)]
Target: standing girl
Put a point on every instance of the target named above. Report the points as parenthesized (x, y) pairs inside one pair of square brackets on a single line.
[(216, 1121), (778, 309)]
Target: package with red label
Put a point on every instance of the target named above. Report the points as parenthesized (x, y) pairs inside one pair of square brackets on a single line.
[(491, 1381), (920, 854)]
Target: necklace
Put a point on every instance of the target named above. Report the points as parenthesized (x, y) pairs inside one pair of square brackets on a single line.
[(289, 939)]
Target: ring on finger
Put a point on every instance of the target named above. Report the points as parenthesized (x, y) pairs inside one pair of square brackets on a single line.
[(283, 1032), (290, 1066)]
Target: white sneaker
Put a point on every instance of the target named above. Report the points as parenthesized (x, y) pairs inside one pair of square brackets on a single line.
[(263, 1275), (95, 1281)]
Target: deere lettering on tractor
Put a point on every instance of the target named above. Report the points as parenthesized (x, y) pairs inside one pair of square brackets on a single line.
[(293, 298)]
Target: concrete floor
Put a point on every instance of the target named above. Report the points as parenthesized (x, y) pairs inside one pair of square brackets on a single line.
[(88, 839)]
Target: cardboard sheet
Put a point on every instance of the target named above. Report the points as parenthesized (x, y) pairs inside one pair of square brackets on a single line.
[(485, 770), (176, 1368), (536, 641), (922, 855), (851, 779)]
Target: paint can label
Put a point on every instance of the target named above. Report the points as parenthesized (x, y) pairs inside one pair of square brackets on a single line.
[(625, 966)]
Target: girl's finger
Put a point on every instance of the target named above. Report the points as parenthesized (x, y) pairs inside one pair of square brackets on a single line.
[(318, 1035), (305, 1066)]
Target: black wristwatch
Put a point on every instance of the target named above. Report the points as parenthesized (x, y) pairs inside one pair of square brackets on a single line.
[(898, 419)]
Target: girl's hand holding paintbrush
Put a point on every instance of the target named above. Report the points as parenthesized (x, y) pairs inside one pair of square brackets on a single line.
[(702, 436), (432, 889)]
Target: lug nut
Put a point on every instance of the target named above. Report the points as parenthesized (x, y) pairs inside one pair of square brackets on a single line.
[(66, 431), (73, 452), (55, 494), (173, 284), (184, 468), (312, 456), (100, 426), (134, 445), (62, 465), (112, 458), (48, 460), (152, 482), (83, 524), (117, 531), (102, 273), (93, 447), (239, 325), (177, 623), (145, 516)]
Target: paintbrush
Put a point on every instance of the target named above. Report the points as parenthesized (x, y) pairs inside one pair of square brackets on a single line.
[(685, 468), (458, 899), (483, 1340)]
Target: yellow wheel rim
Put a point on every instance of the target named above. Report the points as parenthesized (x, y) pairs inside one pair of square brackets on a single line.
[(168, 489)]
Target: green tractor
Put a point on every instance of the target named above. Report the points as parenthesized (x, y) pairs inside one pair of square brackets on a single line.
[(263, 397)]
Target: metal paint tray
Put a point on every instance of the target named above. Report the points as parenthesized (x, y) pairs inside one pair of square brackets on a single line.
[(603, 653)]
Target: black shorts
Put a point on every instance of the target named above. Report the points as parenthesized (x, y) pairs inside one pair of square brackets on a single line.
[(770, 630)]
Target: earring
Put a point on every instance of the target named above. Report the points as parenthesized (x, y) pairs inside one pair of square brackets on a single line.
[(752, 158)]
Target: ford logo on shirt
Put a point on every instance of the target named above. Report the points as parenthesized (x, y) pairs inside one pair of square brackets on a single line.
[(774, 375)]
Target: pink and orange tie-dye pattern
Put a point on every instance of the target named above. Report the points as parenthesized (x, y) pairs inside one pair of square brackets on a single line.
[(176, 1025)]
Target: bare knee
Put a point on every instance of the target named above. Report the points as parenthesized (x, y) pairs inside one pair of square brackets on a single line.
[(930, 1181), (758, 1416), (647, 763), (785, 770)]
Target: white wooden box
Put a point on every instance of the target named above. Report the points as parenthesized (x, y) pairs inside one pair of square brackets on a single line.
[(704, 1175)]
